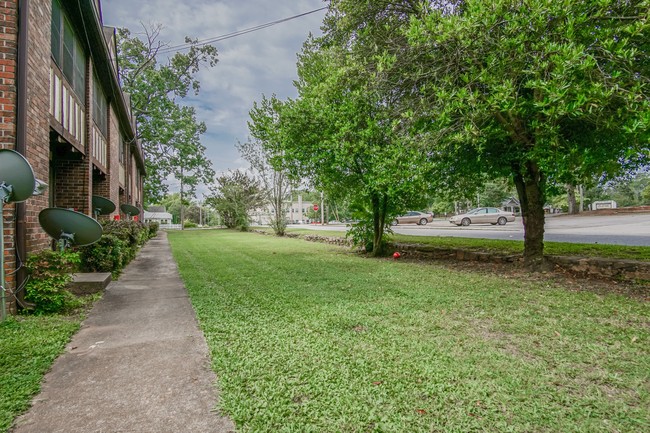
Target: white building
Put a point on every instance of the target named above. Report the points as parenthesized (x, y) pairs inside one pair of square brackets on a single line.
[(162, 218)]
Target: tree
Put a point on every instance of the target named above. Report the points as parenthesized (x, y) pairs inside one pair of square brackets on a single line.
[(164, 126), (234, 195), (542, 92), (261, 153), (187, 159), (339, 133)]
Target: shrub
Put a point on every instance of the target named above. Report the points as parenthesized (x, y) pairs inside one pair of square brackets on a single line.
[(117, 247), (49, 274), (108, 254), (153, 229), (189, 225), (361, 234)]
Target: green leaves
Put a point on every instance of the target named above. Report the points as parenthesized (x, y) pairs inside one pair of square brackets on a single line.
[(234, 195), (169, 132)]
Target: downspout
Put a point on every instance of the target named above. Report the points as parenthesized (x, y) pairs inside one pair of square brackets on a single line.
[(21, 139)]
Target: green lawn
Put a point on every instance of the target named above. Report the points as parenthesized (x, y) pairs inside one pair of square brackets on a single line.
[(28, 347), (307, 337), (505, 246)]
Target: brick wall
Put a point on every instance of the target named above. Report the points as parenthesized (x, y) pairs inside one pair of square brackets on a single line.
[(8, 59), (38, 126), (113, 164), (71, 186)]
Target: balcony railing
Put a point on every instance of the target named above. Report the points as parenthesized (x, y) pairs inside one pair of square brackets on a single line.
[(99, 148), (66, 109)]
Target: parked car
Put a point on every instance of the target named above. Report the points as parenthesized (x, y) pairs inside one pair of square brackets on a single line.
[(483, 215), (414, 217)]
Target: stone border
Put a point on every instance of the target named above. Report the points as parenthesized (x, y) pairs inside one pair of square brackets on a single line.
[(594, 267)]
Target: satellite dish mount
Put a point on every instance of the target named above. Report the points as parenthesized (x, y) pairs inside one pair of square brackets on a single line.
[(102, 206), (17, 184), (69, 228)]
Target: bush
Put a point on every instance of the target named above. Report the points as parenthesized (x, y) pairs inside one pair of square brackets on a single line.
[(189, 225), (117, 247), (49, 274), (362, 233), (105, 255), (153, 229)]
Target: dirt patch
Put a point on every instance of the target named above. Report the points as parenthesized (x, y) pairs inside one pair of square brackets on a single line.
[(558, 277)]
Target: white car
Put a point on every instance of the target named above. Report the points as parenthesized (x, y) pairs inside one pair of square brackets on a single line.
[(483, 215)]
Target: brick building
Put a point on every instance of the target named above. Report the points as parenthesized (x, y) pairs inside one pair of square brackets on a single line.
[(61, 106)]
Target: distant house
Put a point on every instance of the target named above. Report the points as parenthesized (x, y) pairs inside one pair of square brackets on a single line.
[(162, 218), (511, 204)]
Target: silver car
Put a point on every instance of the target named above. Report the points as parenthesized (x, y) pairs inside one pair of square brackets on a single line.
[(483, 215), (414, 217)]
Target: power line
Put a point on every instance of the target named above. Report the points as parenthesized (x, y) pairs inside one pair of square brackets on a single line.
[(237, 33)]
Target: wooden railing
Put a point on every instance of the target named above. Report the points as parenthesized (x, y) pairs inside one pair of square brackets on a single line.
[(66, 108), (99, 148)]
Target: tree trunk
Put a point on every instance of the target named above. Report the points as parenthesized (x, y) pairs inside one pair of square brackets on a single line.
[(379, 205), (571, 199), (529, 181)]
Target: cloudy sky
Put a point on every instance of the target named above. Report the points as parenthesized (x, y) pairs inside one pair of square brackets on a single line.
[(251, 65)]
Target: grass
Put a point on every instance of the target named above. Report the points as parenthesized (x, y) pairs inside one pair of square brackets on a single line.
[(28, 347), (507, 246), (306, 337)]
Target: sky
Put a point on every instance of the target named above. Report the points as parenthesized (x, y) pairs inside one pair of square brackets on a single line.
[(250, 66)]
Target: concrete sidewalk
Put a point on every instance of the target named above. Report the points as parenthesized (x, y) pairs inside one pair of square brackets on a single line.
[(138, 364)]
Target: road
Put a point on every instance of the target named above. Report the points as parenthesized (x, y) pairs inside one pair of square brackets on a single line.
[(621, 229)]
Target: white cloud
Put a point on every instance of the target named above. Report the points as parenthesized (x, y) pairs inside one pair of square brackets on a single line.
[(251, 65)]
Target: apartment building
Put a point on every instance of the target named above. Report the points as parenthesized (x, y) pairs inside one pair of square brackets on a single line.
[(61, 106)]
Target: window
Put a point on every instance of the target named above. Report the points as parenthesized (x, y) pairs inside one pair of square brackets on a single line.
[(67, 51), (100, 108)]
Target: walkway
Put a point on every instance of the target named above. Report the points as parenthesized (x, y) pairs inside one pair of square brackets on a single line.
[(138, 364)]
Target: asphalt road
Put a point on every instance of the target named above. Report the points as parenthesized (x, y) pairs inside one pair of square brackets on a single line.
[(621, 229)]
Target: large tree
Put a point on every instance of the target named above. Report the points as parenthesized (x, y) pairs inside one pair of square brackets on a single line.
[(157, 82), (542, 91), (546, 92), (340, 133)]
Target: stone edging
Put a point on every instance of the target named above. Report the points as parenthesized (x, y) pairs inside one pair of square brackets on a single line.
[(594, 267)]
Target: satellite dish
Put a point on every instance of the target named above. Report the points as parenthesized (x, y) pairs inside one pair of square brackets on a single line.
[(69, 227), (102, 206), (17, 181), (129, 209)]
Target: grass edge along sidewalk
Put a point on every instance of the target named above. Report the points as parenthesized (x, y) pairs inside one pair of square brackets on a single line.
[(28, 347), (308, 337)]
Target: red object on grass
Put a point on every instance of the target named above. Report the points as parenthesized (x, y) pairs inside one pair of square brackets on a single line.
[(116, 217), (396, 255)]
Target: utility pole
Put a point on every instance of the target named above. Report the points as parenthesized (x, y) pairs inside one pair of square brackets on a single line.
[(322, 209)]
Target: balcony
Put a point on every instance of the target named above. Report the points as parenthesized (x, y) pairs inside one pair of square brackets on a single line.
[(66, 110), (99, 149)]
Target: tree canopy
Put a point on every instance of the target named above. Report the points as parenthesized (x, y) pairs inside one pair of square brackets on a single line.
[(263, 152), (340, 133), (234, 195), (168, 131), (546, 93)]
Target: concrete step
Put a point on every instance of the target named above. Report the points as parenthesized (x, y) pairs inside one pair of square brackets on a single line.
[(89, 282)]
